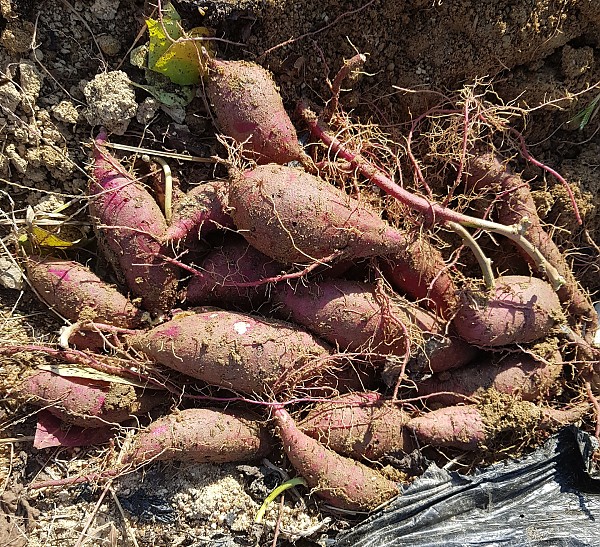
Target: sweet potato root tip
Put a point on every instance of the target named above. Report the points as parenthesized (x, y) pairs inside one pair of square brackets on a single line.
[(519, 310), (340, 481), (201, 435)]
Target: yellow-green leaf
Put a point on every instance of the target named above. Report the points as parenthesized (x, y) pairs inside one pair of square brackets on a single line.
[(88, 373), (184, 62), (162, 33), (39, 237)]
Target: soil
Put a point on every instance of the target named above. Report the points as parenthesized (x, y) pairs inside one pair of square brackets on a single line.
[(65, 70)]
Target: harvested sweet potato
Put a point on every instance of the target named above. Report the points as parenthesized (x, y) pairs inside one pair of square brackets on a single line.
[(84, 402), (295, 217), (224, 269), (519, 310), (359, 425), (338, 480), (76, 293), (351, 315), (249, 109), (201, 435), (131, 227), (235, 350), (514, 374), (199, 212)]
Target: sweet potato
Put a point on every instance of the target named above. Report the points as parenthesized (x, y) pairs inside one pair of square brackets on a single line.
[(201, 435), (420, 272), (295, 217), (340, 481), (514, 374), (199, 212), (499, 419), (349, 315), (359, 425), (76, 293), (487, 171), (234, 262), (519, 310), (84, 402), (235, 350), (130, 228), (249, 109)]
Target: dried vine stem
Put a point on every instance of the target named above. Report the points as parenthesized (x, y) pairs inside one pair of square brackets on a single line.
[(433, 212)]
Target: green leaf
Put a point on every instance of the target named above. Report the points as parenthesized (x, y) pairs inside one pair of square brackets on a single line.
[(162, 33)]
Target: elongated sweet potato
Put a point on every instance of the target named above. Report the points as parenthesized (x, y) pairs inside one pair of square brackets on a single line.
[(338, 480), (349, 314), (487, 171), (359, 425), (84, 402), (199, 212), (235, 350), (474, 427), (201, 435), (234, 262), (514, 374), (75, 292), (295, 217), (250, 110), (519, 310), (130, 228)]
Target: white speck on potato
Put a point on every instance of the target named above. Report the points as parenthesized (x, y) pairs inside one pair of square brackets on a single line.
[(241, 327)]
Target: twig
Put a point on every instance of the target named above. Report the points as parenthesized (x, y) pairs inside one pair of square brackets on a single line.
[(484, 262), (312, 33), (92, 516), (125, 523)]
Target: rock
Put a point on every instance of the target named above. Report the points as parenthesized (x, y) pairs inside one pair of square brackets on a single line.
[(111, 101)]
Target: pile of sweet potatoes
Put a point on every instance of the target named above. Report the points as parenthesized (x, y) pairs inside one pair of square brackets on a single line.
[(335, 334)]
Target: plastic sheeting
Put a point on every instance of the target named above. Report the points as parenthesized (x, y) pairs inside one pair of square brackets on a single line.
[(550, 498)]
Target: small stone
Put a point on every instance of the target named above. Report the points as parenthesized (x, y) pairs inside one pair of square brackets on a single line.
[(11, 276), (66, 112), (111, 101), (109, 44), (147, 110), (9, 98)]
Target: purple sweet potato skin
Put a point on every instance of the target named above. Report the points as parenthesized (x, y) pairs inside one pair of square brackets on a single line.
[(84, 402), (235, 350), (340, 481), (201, 435), (359, 425), (234, 262), (514, 374), (130, 227), (71, 289), (249, 109), (296, 218), (199, 212), (420, 272), (519, 310), (347, 314), (460, 427)]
